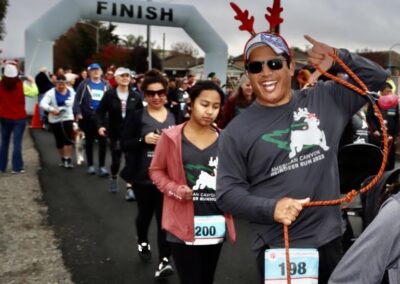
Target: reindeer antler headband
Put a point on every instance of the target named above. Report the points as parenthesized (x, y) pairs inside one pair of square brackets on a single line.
[(270, 37), (273, 18)]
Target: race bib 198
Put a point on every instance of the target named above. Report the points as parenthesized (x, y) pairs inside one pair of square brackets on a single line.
[(208, 230), (303, 266)]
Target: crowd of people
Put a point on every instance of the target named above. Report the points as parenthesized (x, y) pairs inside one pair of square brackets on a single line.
[(194, 156)]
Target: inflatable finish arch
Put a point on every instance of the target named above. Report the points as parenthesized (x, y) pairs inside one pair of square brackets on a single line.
[(39, 37)]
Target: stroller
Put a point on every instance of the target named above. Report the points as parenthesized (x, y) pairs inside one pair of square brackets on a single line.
[(358, 165), (356, 162)]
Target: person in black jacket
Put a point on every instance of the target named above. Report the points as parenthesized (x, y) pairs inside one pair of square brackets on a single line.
[(114, 108), (44, 83), (139, 138)]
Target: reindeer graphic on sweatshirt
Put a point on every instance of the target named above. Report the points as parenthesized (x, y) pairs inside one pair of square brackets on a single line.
[(309, 135), (208, 180)]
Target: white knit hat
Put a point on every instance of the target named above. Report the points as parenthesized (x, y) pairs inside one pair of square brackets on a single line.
[(10, 71)]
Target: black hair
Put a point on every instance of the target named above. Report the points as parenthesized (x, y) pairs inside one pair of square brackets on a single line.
[(61, 77), (154, 76), (387, 86), (200, 86), (211, 75)]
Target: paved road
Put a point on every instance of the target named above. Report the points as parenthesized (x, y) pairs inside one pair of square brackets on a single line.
[(97, 233)]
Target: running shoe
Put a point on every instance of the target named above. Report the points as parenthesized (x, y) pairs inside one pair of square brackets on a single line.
[(130, 195), (144, 252), (91, 170), (114, 185), (68, 163), (62, 163), (164, 269), (18, 172), (103, 172)]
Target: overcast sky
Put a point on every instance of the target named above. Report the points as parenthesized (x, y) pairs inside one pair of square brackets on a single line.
[(353, 24)]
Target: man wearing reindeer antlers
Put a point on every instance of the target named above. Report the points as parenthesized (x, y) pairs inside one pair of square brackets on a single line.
[(281, 153)]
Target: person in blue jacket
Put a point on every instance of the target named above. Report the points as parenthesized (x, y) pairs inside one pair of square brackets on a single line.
[(87, 99)]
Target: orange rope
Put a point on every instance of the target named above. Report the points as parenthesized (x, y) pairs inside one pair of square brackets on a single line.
[(349, 197)]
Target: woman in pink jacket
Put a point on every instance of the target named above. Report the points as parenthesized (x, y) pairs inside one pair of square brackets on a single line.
[(184, 169)]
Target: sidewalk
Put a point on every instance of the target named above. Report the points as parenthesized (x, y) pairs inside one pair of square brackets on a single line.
[(29, 250)]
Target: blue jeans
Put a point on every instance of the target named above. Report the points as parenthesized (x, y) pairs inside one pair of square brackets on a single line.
[(17, 128)]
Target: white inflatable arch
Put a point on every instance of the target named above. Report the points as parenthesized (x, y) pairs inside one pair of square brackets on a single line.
[(40, 36)]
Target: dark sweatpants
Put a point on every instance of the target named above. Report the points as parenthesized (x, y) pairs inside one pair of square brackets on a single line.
[(89, 126), (149, 200), (196, 264)]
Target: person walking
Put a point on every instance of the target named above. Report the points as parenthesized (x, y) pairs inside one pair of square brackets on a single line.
[(87, 100), (115, 106), (58, 102), (184, 169), (281, 152), (44, 84), (13, 115), (141, 132)]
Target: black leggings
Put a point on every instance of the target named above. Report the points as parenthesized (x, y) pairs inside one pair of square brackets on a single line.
[(88, 126), (116, 155), (149, 200), (196, 264), (62, 133), (329, 256)]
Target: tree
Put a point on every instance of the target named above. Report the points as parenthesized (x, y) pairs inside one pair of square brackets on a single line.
[(138, 60), (3, 11), (113, 54), (77, 47), (185, 48), (130, 41)]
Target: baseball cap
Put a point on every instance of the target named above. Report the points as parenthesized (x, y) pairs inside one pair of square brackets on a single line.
[(10, 71), (94, 66), (122, 70), (276, 42)]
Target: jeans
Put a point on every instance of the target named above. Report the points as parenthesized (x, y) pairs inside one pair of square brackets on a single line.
[(17, 128)]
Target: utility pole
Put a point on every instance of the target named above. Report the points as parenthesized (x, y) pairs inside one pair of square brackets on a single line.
[(149, 45)]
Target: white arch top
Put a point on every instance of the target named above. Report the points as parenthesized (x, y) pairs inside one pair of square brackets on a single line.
[(39, 37)]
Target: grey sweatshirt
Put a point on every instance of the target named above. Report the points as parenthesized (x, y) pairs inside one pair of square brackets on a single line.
[(377, 249), (268, 153)]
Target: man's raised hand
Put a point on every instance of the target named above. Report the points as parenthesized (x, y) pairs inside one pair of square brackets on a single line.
[(319, 55)]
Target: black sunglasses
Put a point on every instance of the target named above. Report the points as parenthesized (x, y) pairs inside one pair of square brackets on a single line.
[(150, 93), (255, 67)]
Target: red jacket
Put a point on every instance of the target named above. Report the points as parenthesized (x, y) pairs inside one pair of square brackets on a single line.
[(12, 102), (167, 172)]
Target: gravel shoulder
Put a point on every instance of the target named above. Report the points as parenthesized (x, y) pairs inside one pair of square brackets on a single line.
[(29, 250)]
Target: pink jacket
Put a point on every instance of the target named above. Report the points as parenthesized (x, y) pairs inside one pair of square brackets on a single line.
[(167, 173)]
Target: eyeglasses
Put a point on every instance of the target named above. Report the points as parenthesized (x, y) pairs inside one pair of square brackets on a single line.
[(255, 67), (151, 93)]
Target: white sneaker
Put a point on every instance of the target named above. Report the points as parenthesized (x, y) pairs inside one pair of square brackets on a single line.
[(144, 252), (164, 269), (130, 195)]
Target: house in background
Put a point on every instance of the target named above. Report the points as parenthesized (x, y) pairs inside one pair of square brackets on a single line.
[(176, 64)]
